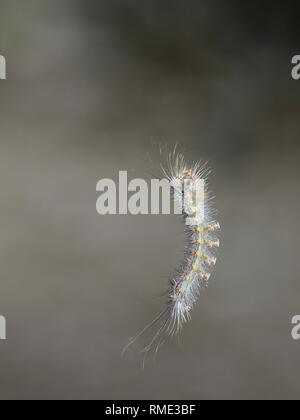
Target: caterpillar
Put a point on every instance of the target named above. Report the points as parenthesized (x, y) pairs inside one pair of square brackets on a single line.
[(193, 274)]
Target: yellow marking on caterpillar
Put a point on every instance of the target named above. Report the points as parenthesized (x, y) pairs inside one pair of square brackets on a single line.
[(199, 229), (198, 254)]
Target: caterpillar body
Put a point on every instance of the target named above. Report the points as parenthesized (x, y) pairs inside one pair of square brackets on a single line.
[(193, 274)]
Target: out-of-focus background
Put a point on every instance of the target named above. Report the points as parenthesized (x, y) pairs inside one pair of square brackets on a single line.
[(91, 85)]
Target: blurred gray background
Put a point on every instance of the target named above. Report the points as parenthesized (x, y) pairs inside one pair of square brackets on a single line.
[(91, 85)]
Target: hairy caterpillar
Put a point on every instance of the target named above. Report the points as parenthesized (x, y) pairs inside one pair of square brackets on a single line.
[(192, 276)]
